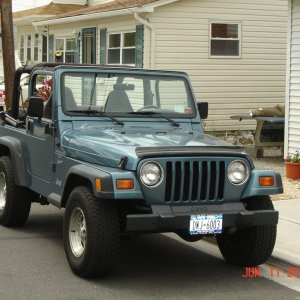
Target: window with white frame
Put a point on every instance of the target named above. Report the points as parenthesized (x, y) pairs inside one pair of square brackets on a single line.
[(121, 48), (70, 50), (65, 50), (22, 46), (225, 39)]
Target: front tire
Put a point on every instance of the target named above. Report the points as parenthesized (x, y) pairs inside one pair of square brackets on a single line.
[(15, 201), (91, 233), (250, 246)]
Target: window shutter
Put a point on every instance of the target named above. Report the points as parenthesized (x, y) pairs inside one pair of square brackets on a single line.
[(139, 46), (103, 32), (51, 48)]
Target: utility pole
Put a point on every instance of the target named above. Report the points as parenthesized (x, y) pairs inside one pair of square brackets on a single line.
[(7, 36)]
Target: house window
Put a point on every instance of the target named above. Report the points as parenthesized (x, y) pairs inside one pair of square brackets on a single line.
[(22, 44), (65, 50), (121, 48), (70, 50), (28, 47), (225, 39), (36, 47)]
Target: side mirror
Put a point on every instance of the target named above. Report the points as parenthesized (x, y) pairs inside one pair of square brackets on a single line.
[(203, 109), (35, 107)]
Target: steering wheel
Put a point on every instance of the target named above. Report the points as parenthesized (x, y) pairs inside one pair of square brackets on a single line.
[(147, 107)]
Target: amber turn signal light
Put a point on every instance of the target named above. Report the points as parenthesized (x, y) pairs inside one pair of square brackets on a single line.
[(266, 181), (125, 184), (98, 184)]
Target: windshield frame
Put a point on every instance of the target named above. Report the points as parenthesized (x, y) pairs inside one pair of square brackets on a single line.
[(143, 75)]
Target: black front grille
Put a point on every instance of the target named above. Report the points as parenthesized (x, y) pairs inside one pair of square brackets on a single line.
[(191, 181)]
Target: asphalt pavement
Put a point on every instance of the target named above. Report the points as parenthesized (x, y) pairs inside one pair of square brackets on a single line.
[(159, 266)]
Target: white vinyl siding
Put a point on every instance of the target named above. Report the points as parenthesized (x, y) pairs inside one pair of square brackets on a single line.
[(230, 85), (292, 137)]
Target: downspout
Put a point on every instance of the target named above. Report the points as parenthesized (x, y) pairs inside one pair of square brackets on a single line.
[(153, 37), (288, 80)]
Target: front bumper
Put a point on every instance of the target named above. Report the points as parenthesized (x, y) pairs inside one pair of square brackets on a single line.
[(176, 218)]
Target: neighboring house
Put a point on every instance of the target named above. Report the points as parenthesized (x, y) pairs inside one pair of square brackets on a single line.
[(292, 121), (233, 50)]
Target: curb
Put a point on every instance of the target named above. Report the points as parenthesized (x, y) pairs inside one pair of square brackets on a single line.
[(285, 258)]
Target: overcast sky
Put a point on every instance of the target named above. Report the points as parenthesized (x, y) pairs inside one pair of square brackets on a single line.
[(25, 4)]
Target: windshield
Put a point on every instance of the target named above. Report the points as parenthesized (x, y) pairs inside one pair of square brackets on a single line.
[(126, 95)]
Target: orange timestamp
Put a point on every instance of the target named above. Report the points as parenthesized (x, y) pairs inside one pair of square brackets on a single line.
[(255, 272)]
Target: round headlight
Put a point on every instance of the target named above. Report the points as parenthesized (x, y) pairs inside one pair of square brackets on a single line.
[(238, 172), (151, 173)]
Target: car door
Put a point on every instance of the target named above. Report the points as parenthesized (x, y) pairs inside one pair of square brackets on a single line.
[(41, 147)]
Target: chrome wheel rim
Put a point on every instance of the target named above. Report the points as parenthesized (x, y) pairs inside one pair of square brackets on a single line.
[(77, 232), (2, 191)]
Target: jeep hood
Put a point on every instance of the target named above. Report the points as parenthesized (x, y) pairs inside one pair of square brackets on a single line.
[(107, 146)]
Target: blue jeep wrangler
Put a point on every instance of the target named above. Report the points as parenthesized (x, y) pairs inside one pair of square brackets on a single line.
[(123, 151)]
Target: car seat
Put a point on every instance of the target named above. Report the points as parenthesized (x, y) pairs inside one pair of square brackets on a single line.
[(117, 100), (48, 108), (70, 103)]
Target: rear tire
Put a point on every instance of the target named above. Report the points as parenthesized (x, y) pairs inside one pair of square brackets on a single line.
[(250, 246), (15, 201), (91, 233)]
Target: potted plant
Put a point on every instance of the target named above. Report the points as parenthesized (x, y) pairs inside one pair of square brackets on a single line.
[(292, 166)]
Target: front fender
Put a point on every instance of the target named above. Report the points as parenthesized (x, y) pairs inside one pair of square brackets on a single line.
[(254, 189), (108, 177)]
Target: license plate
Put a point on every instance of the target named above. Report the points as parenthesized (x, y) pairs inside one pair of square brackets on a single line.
[(206, 224)]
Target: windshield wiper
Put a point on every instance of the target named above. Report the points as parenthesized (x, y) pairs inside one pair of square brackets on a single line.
[(98, 113), (155, 113)]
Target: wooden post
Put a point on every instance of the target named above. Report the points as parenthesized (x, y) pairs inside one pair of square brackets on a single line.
[(8, 49)]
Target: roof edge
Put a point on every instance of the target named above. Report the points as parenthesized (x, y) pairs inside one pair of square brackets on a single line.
[(147, 8), (27, 18), (85, 17)]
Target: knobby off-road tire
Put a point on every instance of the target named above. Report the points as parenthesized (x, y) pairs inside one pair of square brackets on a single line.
[(251, 246), (91, 233), (15, 201)]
